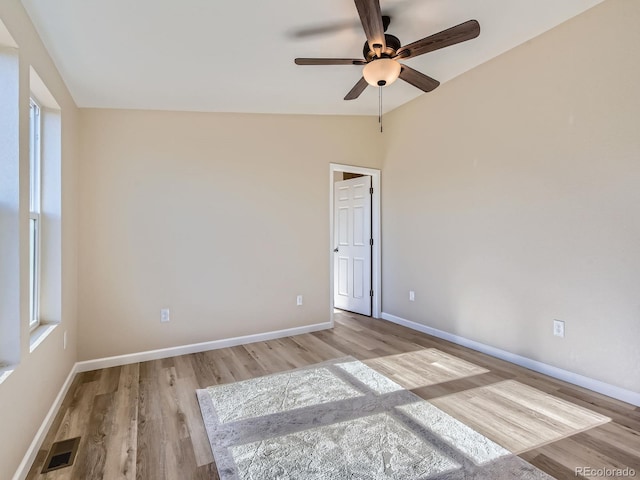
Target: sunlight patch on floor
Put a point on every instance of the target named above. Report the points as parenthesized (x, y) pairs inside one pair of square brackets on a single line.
[(425, 367), (517, 416), (278, 393)]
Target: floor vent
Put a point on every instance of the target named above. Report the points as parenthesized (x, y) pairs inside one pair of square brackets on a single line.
[(62, 454)]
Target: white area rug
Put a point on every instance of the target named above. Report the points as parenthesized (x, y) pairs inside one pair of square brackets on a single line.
[(343, 420)]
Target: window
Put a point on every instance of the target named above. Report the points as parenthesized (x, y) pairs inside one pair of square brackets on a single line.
[(45, 212), (35, 123)]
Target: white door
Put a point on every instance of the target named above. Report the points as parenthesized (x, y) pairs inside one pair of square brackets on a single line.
[(352, 245)]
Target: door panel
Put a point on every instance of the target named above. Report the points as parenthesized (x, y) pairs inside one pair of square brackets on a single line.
[(343, 276), (343, 226), (358, 278), (359, 227), (352, 234)]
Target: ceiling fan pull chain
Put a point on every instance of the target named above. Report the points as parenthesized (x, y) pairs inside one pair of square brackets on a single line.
[(380, 107)]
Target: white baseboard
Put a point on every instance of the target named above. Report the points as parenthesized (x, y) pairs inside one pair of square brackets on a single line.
[(196, 347), (36, 444), (555, 372)]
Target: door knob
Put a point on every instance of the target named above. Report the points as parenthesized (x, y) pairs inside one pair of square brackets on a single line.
[(335, 249)]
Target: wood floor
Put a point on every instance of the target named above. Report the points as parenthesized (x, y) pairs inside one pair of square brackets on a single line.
[(142, 421)]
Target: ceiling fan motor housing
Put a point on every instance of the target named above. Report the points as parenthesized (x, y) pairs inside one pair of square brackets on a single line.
[(393, 45)]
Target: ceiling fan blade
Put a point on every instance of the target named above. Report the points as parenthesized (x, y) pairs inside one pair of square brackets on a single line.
[(357, 89), (329, 61), (417, 79), (460, 33), (371, 19)]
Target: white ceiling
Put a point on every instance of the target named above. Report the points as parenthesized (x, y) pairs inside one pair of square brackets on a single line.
[(237, 55)]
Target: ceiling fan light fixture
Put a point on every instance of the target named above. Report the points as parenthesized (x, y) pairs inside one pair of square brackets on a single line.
[(381, 72)]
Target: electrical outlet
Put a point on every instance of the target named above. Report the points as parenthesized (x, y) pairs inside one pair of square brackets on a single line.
[(299, 300), (558, 328), (412, 296), (164, 315)]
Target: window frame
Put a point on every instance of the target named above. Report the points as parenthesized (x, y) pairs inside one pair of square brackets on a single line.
[(35, 221)]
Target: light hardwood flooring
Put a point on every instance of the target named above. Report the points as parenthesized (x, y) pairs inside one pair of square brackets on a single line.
[(142, 421)]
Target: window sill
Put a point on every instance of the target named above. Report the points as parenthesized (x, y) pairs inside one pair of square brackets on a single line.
[(39, 334)]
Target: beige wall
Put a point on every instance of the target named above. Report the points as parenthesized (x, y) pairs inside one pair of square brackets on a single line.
[(223, 218), (511, 196), (28, 393)]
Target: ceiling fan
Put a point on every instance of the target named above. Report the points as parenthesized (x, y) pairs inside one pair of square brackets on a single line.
[(382, 51)]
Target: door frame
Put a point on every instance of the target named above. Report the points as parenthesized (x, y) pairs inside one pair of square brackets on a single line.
[(376, 253)]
